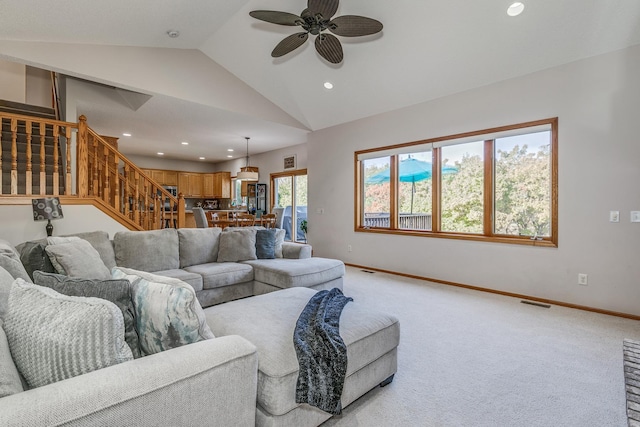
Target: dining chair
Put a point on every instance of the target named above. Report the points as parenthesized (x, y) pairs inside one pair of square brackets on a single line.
[(200, 217), (245, 220), (269, 220)]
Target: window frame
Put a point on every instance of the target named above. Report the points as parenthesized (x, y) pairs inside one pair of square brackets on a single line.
[(488, 234), (293, 174)]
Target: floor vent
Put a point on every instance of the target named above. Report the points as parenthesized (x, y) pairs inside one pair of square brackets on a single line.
[(367, 271), (537, 304)]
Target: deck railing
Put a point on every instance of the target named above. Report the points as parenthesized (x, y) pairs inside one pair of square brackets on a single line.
[(101, 172), (405, 221)]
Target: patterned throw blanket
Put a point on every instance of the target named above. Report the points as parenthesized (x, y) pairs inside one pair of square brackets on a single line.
[(322, 354)]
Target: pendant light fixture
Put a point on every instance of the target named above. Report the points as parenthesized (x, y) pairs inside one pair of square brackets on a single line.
[(247, 173)]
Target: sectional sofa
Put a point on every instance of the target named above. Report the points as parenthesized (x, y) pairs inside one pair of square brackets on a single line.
[(244, 376)]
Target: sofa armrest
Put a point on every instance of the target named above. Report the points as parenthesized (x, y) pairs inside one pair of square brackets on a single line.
[(212, 381), (295, 250)]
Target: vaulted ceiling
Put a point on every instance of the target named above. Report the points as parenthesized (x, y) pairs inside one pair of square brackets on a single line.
[(216, 82)]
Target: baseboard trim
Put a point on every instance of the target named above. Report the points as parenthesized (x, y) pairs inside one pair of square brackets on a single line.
[(495, 291)]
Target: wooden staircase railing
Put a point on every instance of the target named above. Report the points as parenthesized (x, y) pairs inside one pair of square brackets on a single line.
[(102, 173)]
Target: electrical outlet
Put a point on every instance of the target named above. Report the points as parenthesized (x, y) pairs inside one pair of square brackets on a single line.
[(582, 279), (614, 216), (349, 248)]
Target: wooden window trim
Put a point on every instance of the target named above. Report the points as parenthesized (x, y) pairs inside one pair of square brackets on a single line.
[(488, 198)]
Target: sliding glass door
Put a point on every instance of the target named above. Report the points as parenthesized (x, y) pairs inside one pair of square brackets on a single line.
[(289, 193)]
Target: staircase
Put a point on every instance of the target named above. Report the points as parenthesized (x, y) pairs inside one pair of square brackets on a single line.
[(36, 161)]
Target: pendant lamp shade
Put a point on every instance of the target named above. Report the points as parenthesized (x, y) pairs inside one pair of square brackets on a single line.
[(247, 173)]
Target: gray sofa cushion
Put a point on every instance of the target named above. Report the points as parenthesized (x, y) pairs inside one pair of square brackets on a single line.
[(6, 280), (368, 335), (77, 258), (216, 274), (54, 337), (237, 244), (10, 382), (198, 245), (168, 314), (34, 257), (116, 291), (154, 250), (101, 243), (289, 273), (195, 280), (10, 261)]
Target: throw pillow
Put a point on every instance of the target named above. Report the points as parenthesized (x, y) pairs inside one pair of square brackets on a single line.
[(76, 258), (198, 245), (116, 291), (10, 261), (6, 280), (168, 314), (266, 244), (280, 234), (54, 337), (237, 244), (10, 382), (34, 257)]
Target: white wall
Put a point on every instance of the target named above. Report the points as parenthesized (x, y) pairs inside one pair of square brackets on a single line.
[(598, 104), (38, 87), (171, 164), (18, 225), (13, 78)]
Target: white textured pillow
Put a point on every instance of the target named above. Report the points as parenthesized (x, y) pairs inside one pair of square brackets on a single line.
[(75, 257), (279, 241), (237, 244), (54, 337), (168, 313)]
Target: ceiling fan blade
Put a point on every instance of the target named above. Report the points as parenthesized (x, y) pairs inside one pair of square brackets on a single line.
[(274, 17), (290, 43), (326, 8), (354, 26), (329, 47)]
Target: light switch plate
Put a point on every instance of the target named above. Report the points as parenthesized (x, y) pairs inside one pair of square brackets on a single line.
[(614, 216), (635, 216)]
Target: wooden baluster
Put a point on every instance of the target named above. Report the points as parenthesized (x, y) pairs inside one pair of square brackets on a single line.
[(181, 209), (56, 160), (1, 124), (116, 184), (14, 156), (106, 190), (43, 165), (125, 192), (83, 157), (145, 188), (67, 181), (136, 210), (29, 172), (157, 211), (96, 169)]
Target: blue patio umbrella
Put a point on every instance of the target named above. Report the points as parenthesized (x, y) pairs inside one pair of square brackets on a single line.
[(411, 170)]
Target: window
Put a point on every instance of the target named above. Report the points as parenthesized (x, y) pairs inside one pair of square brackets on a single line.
[(496, 184), (289, 192)]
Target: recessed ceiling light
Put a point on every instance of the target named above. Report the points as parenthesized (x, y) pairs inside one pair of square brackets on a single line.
[(328, 85), (515, 9), (173, 33), (230, 150), (126, 134), (160, 154), (201, 158), (230, 156), (184, 143)]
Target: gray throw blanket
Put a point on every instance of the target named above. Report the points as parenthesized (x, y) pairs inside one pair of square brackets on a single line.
[(322, 354)]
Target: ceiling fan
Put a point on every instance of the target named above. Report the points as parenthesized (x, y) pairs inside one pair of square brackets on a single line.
[(315, 19)]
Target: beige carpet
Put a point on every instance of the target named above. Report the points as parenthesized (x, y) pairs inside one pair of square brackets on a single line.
[(470, 358)]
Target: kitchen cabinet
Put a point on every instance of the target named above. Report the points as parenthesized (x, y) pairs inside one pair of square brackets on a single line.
[(190, 184), (222, 185), (207, 185), (163, 177)]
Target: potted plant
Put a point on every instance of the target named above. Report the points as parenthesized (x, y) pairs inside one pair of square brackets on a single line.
[(303, 228)]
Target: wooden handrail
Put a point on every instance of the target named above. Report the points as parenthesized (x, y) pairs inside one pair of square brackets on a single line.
[(104, 177)]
